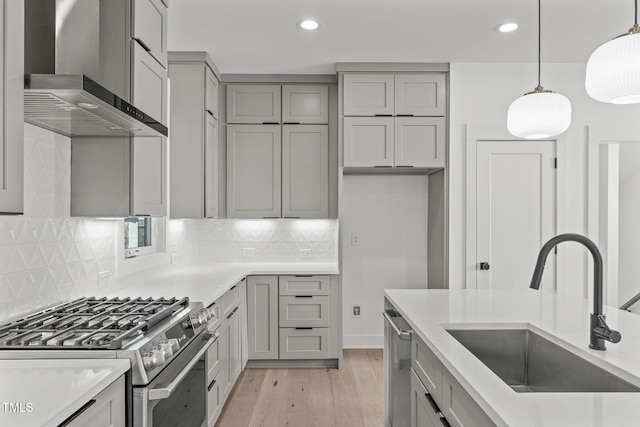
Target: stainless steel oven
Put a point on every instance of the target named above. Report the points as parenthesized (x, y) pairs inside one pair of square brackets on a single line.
[(176, 397)]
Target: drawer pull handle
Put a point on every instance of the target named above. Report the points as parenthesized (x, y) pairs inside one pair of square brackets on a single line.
[(232, 288), (433, 403), (303, 275), (444, 422), (304, 296), (211, 385), (304, 329), (143, 45), (78, 413), (233, 312)]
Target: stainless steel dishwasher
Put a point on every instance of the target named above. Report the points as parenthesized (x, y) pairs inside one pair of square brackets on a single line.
[(397, 369)]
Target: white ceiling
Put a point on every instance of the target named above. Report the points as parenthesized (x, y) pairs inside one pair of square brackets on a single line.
[(260, 36)]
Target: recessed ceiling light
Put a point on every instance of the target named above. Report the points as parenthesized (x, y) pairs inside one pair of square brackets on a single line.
[(308, 24), (507, 27)]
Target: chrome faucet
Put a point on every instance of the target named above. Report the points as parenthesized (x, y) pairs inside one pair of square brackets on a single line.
[(598, 327)]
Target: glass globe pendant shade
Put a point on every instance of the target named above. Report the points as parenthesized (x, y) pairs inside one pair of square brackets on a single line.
[(613, 70), (539, 114)]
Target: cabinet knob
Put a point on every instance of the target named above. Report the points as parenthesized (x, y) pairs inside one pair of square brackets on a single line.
[(484, 266)]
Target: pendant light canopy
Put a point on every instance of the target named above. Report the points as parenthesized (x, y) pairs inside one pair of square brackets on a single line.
[(540, 113), (613, 70)]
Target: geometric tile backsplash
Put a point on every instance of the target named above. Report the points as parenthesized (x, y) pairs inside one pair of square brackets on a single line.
[(47, 257)]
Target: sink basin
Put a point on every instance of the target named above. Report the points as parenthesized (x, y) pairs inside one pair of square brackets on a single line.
[(527, 362)]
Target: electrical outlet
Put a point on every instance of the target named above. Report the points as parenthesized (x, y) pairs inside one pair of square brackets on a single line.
[(104, 278), (356, 310), (248, 252), (174, 259), (305, 253), (355, 239)]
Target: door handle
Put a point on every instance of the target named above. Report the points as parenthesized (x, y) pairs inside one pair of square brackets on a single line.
[(484, 266)]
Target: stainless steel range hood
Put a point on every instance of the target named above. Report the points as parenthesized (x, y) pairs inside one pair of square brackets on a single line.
[(78, 69), (75, 105)]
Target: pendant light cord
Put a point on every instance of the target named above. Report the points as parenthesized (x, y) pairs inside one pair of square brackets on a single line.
[(539, 37)]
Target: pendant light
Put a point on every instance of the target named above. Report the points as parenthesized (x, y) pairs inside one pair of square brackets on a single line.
[(613, 70), (540, 113)]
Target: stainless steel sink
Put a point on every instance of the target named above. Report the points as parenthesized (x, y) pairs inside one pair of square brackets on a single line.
[(527, 362)]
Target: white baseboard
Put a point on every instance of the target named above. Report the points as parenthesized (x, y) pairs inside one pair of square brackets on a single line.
[(363, 341)]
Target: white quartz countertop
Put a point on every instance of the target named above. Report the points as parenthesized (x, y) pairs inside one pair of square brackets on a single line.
[(52, 389), (562, 318), (206, 283)]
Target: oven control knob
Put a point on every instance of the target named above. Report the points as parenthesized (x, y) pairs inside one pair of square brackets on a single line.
[(153, 359), (175, 345), (166, 348)]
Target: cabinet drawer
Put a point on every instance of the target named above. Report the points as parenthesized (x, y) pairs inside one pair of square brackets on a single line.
[(150, 28), (424, 411), (304, 104), (311, 343), (304, 285), (231, 299), (427, 366), (368, 94), (458, 407), (214, 402), (420, 94), (107, 409), (253, 104), (213, 361), (308, 311)]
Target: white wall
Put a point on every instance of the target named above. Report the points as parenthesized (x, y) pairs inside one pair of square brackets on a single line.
[(480, 93), (390, 215), (629, 225)]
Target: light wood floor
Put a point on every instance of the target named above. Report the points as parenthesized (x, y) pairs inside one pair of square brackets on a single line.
[(347, 397)]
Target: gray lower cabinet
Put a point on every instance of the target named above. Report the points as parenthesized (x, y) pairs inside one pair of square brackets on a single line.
[(118, 177), (108, 410), (254, 171), (424, 411), (304, 343), (11, 118), (262, 317)]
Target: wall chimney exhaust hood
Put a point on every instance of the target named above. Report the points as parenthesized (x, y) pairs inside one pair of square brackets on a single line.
[(78, 69), (75, 105)]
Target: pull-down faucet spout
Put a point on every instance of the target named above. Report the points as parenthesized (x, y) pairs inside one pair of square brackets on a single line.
[(599, 331)]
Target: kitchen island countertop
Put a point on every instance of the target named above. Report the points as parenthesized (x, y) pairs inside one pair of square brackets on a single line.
[(563, 318), (47, 392)]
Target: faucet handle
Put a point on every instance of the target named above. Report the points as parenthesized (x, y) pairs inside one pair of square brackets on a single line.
[(604, 332)]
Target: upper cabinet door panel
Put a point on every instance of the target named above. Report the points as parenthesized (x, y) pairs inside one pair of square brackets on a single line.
[(259, 104), (368, 141), (305, 104), (419, 141), (368, 94), (420, 95), (211, 168), (149, 91), (149, 186), (150, 27), (211, 92)]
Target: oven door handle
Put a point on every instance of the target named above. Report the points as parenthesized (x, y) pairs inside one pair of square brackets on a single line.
[(165, 392)]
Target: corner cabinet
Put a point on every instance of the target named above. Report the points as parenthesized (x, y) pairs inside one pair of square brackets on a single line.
[(196, 157), (11, 118)]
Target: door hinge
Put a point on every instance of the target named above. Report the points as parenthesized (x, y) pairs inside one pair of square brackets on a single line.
[(555, 163)]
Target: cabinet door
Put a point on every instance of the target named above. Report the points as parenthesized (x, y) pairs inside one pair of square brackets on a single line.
[(223, 379), (149, 84), (419, 141), (234, 350), (150, 28), (258, 104), (108, 410), (420, 95), (11, 118), (423, 409), (262, 316), (458, 407), (149, 180), (368, 141), (211, 92), (305, 171), (368, 94), (214, 402), (305, 104), (253, 171), (211, 168)]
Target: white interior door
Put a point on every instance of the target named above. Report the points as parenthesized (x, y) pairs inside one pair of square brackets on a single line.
[(515, 212)]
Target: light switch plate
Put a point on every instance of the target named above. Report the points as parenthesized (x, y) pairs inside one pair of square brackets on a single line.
[(355, 239), (104, 278), (305, 253), (248, 252)]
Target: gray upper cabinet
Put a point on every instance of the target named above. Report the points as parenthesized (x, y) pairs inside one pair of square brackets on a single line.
[(150, 28), (196, 159), (149, 84), (305, 171), (368, 141), (211, 93), (420, 95), (368, 94), (149, 176), (257, 104), (419, 142), (11, 118), (305, 104), (253, 171)]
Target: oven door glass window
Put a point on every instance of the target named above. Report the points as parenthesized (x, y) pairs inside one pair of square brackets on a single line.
[(186, 407)]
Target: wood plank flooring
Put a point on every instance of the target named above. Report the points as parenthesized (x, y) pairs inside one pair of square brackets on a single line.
[(347, 397)]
